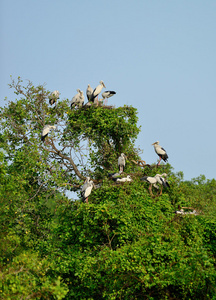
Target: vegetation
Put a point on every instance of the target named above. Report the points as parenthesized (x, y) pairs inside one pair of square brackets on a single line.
[(124, 244)]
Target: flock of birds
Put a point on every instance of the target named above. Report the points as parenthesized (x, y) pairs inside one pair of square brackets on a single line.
[(92, 96), (78, 101), (158, 178), (79, 98)]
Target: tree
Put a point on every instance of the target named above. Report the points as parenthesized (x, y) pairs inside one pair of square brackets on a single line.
[(126, 243), (87, 141)]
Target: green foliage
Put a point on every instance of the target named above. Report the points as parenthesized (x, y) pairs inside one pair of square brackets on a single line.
[(126, 243)]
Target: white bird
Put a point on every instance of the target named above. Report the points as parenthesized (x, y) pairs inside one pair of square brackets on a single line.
[(128, 178), (151, 180), (161, 152), (53, 97), (107, 94), (89, 92), (45, 131), (86, 182), (97, 90), (182, 212), (81, 99), (78, 99), (161, 180), (86, 190), (121, 162)]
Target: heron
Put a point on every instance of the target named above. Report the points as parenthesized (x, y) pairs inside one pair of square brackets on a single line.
[(161, 152), (45, 131), (53, 97), (121, 162)]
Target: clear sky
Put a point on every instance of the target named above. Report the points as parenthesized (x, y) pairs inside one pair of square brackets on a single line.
[(159, 56)]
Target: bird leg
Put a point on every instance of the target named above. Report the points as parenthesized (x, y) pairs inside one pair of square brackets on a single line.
[(161, 190), (150, 189), (159, 162), (86, 200)]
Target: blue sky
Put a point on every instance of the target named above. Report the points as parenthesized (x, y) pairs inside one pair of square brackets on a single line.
[(159, 56)]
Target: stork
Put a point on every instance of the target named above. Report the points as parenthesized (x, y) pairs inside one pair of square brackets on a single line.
[(86, 189), (107, 94), (161, 152), (45, 131), (53, 97), (152, 181), (128, 178), (162, 181), (121, 162), (97, 90), (89, 92), (78, 99)]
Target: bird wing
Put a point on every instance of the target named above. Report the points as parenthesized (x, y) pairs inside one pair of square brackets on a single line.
[(108, 94), (88, 191), (121, 161), (97, 90), (160, 150), (46, 130)]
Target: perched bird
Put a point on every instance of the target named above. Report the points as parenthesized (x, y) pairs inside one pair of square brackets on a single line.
[(182, 212), (121, 162), (86, 182), (161, 152), (86, 189), (78, 99), (53, 97), (81, 99), (162, 180), (97, 90), (45, 131), (151, 180), (89, 92), (128, 178), (107, 94)]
